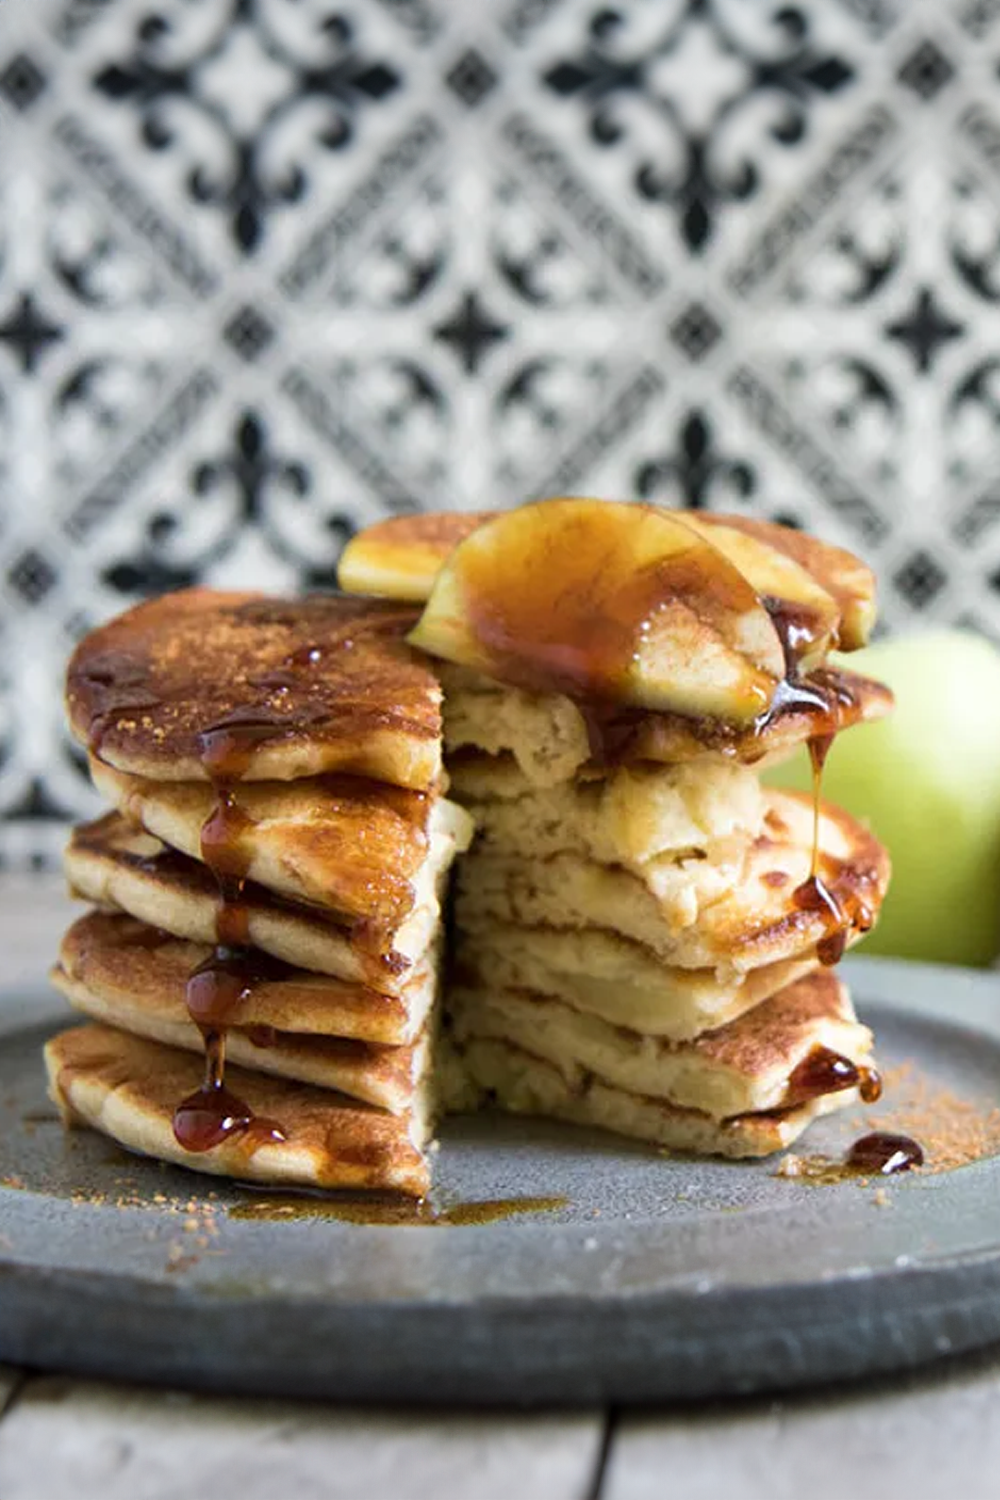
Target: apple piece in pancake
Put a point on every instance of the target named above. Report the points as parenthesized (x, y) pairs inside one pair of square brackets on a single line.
[(203, 685), (116, 956), (128, 1088), (764, 1060), (400, 558), (522, 1083), (342, 842), (115, 866), (600, 601)]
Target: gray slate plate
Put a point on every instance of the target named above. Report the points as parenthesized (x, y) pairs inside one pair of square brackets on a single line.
[(659, 1278)]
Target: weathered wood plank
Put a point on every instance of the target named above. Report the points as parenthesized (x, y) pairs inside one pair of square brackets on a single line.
[(928, 1436), (66, 1439)]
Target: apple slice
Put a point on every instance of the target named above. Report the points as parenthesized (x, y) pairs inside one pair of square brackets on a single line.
[(845, 577), (401, 557), (599, 600), (806, 616)]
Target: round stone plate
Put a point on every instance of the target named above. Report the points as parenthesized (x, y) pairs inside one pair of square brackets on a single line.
[(654, 1278)]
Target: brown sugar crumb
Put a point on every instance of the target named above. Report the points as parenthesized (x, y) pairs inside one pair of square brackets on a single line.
[(776, 878), (952, 1131)]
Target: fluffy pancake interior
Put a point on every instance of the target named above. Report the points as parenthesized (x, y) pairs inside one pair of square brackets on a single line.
[(744, 1067), (549, 738), (617, 980), (737, 919), (523, 1083)]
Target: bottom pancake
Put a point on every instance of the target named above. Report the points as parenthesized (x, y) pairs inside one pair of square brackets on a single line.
[(128, 1088), (524, 1084)]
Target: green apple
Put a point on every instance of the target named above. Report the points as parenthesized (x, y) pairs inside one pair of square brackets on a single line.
[(927, 781)]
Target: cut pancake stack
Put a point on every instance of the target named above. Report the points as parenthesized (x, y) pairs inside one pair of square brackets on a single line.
[(267, 891), (639, 942), (643, 934)]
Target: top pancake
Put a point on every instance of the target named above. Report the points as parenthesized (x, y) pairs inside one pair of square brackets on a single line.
[(203, 685), (552, 740)]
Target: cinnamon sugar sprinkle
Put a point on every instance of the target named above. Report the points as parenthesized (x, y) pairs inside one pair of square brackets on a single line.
[(951, 1130)]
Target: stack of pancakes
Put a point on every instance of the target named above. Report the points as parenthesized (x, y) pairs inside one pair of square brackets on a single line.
[(639, 944), (643, 934), (267, 892)]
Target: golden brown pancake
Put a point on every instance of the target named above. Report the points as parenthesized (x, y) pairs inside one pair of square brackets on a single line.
[(118, 971), (128, 1089), (758, 921), (122, 959), (636, 816), (342, 842), (241, 687), (113, 865), (384, 1076), (552, 741), (605, 975), (524, 1084), (745, 1067)]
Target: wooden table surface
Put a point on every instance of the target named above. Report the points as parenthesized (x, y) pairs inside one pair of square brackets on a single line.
[(931, 1435)]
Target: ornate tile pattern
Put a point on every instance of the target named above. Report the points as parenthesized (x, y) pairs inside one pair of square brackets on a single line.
[(270, 269)]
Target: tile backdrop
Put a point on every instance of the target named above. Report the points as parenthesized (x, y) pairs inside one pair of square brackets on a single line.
[(271, 269)]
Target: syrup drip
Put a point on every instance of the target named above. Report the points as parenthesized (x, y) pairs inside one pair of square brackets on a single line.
[(884, 1153), (210, 1117), (217, 988), (827, 1072)]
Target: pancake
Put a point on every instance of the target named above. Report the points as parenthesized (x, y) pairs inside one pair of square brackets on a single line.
[(552, 741), (388, 1077), (401, 557), (199, 682), (128, 1088), (757, 921), (113, 865), (637, 816), (341, 842), (122, 962), (605, 975), (524, 1084), (743, 1068)]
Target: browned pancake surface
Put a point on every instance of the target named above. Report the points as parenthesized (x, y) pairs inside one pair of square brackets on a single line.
[(128, 1088), (111, 864), (311, 685), (343, 842), (127, 962)]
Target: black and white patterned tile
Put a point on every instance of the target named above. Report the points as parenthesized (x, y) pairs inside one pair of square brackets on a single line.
[(270, 269)]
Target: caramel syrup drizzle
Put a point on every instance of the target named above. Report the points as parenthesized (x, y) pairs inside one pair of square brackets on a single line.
[(217, 989), (823, 695)]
